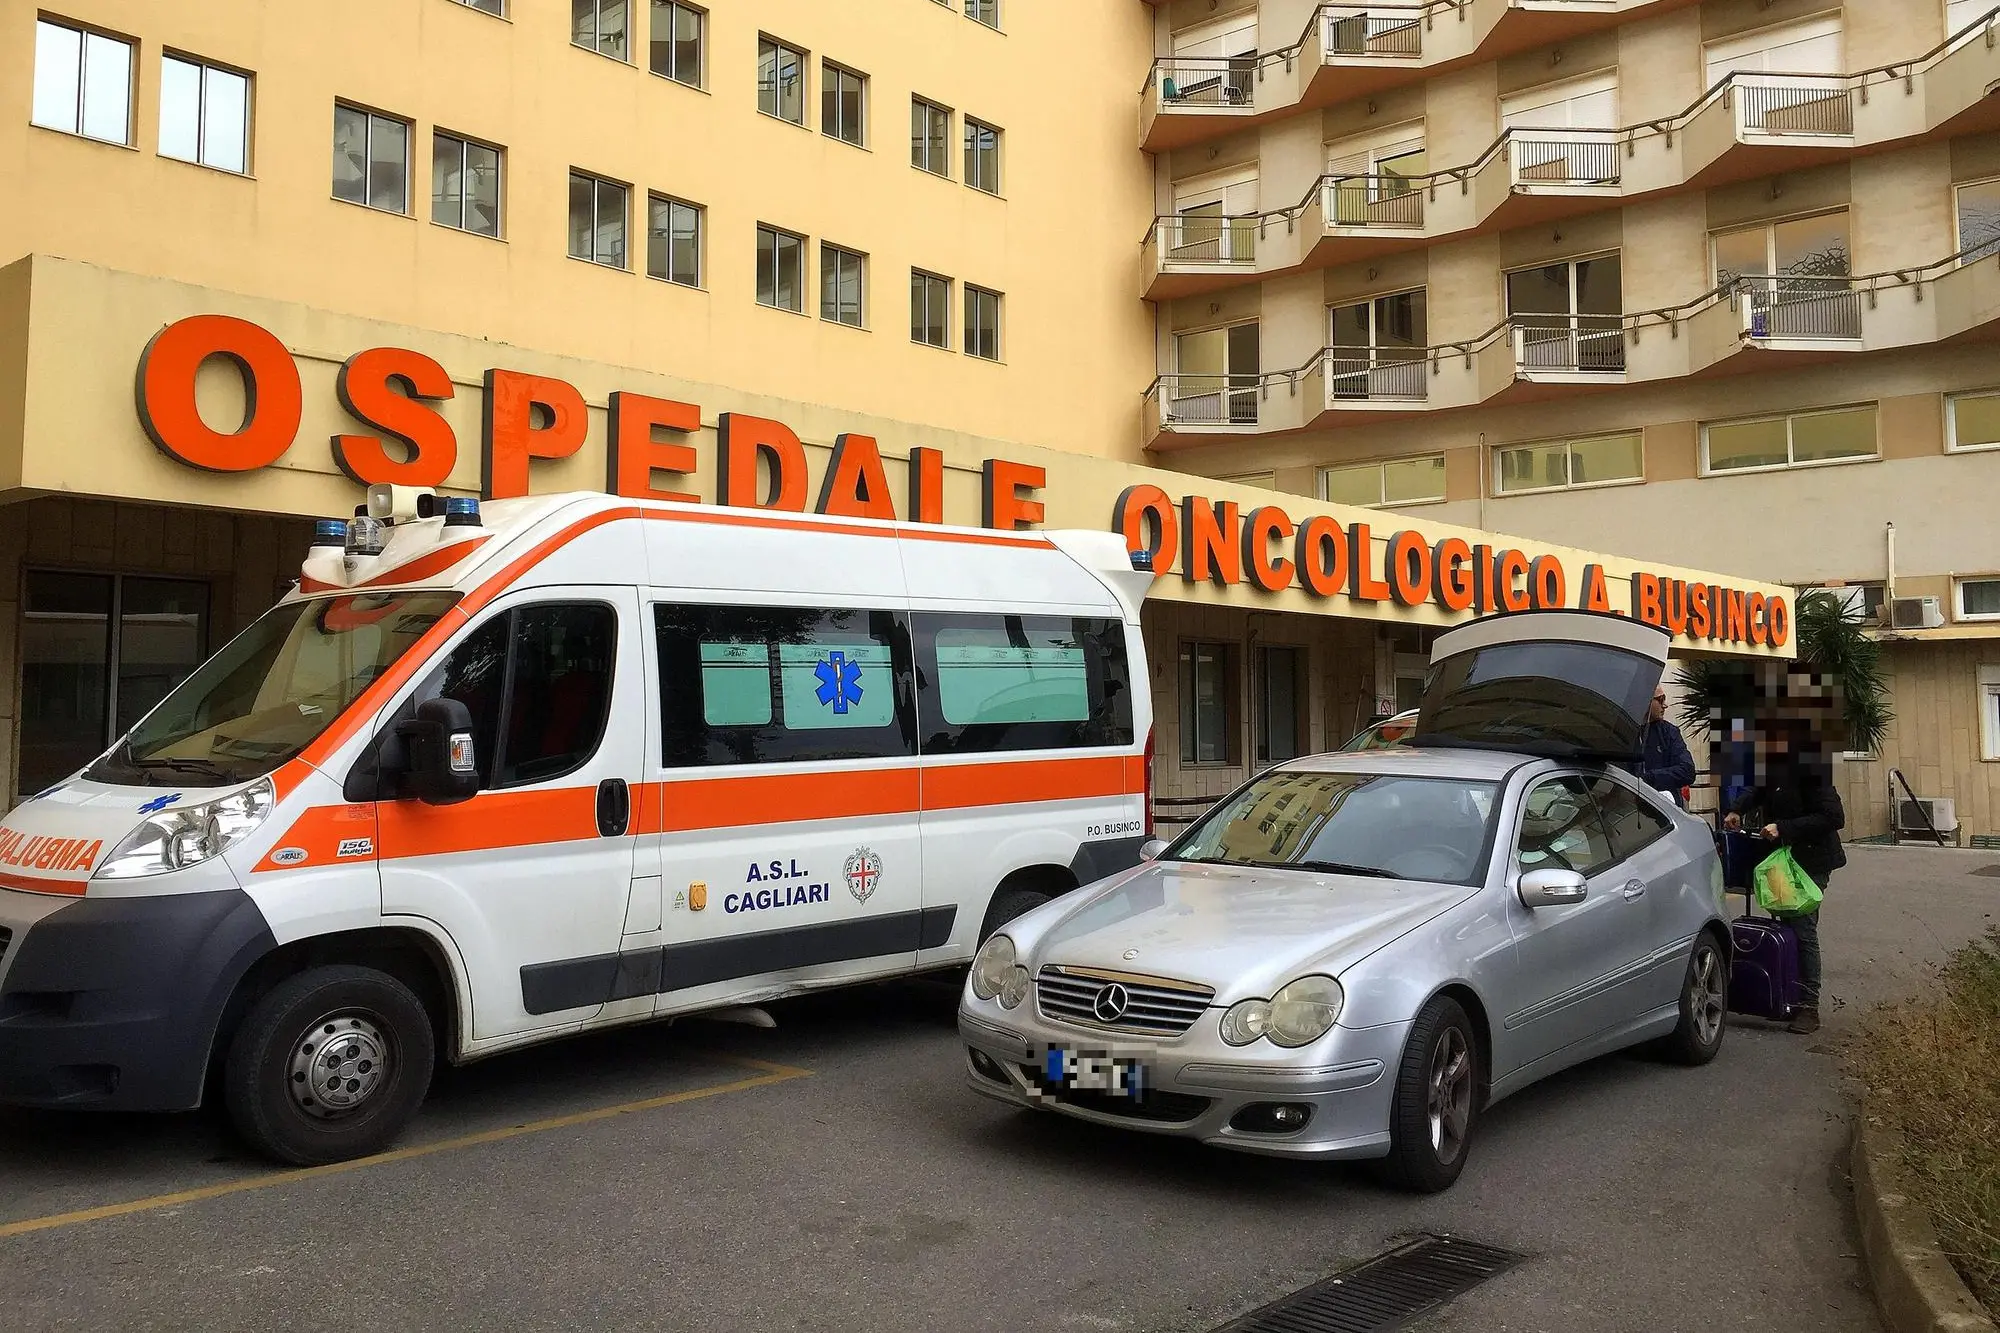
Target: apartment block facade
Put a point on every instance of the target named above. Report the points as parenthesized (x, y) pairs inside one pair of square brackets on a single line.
[(1716, 283)]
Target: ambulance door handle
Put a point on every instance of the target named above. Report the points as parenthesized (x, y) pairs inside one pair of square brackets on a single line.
[(614, 807)]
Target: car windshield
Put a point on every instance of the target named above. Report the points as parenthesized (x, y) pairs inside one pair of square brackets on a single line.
[(271, 691), (1391, 826)]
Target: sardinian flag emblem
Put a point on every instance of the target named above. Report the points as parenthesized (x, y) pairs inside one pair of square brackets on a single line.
[(863, 871)]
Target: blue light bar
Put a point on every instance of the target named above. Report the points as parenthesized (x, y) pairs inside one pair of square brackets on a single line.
[(461, 511), (1142, 561), (330, 532)]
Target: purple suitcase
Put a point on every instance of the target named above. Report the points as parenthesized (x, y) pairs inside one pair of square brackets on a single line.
[(1764, 978)]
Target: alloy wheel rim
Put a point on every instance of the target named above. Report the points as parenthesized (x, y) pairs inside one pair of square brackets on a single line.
[(338, 1065), (1449, 1095), (1707, 998)]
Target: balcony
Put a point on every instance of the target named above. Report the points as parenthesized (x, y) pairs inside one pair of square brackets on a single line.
[(1746, 325), (1347, 51), (1746, 126)]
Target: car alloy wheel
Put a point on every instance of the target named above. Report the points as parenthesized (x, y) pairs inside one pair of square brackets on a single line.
[(1708, 993), (1450, 1091)]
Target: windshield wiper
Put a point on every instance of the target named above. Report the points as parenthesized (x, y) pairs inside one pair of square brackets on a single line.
[(1342, 868), (201, 766)]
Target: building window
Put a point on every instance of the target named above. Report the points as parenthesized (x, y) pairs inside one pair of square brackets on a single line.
[(1560, 464), (204, 114), (83, 83), (781, 81), (1857, 600), (600, 26), (1376, 348), (97, 652), (930, 130), (1208, 698), (497, 8), (781, 264), (1979, 599), (1989, 713), (843, 97), (371, 159), (840, 285), (1972, 420), (1568, 316), (1281, 711), (930, 309), (673, 241), (982, 323), (984, 11), (982, 156), (596, 220), (1800, 440), (677, 41), (1794, 274), (1978, 220), (1216, 376), (1395, 481), (465, 184)]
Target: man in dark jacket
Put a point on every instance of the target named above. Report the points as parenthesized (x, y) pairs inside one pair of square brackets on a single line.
[(1666, 764), (1796, 805)]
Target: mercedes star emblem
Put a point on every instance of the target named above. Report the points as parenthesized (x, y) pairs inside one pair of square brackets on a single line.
[(1111, 1002)]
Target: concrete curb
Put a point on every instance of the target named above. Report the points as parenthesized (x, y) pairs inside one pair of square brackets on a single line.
[(1916, 1287)]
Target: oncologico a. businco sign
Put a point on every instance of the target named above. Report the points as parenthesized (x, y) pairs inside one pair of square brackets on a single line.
[(760, 463)]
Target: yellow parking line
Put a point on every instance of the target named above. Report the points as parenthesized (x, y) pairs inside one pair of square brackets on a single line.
[(771, 1073)]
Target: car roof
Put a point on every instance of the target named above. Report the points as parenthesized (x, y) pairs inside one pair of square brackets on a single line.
[(1416, 761)]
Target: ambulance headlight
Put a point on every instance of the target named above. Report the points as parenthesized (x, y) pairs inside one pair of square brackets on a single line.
[(175, 839), (991, 966)]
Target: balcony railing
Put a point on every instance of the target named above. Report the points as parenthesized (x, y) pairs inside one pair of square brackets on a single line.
[(1390, 32), (1800, 308), (1572, 345), (1377, 374), (1206, 238), (1209, 400), (1186, 81), (1542, 158), (1374, 201), (1789, 104)]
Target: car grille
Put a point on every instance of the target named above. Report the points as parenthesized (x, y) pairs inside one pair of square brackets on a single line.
[(1164, 1108), (1154, 1005)]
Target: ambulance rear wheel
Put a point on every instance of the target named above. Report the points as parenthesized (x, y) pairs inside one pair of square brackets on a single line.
[(329, 1065), (1008, 904)]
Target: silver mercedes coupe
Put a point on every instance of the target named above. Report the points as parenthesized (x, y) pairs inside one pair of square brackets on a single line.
[(1355, 954)]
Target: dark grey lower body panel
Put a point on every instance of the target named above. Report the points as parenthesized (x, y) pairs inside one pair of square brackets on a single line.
[(578, 983)]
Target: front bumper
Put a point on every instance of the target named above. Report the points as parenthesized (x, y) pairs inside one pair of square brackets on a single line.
[(113, 1003), (1198, 1086)]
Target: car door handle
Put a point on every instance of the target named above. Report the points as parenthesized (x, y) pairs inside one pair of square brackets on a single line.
[(1634, 888), (614, 807)]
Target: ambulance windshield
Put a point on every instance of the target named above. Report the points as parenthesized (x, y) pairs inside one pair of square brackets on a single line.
[(271, 691)]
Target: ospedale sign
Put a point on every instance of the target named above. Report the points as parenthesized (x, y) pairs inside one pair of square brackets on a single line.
[(393, 393)]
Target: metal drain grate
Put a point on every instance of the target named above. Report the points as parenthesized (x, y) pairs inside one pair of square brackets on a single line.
[(1383, 1293)]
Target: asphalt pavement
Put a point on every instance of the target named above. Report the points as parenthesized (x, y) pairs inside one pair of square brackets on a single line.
[(834, 1173)]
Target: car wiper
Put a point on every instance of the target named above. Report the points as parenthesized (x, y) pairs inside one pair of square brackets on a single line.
[(201, 766), (1342, 868)]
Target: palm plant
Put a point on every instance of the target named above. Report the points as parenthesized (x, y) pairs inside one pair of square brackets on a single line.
[(1833, 647)]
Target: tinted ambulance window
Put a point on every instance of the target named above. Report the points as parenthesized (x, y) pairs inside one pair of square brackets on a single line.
[(1632, 824), (999, 682), (766, 685), (537, 682), (1561, 827)]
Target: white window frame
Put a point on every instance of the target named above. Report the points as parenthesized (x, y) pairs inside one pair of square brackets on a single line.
[(832, 71), (1788, 418), (203, 67), (1958, 611), (598, 184), (931, 104), (1569, 443), (465, 141), (84, 36), (597, 33), (496, 8), (1562, 92), (804, 58), (1381, 466), (998, 15), (700, 79), (839, 253), (931, 276), (1989, 714), (967, 126), (654, 197), (805, 268), (409, 208), (1951, 443), (1769, 226), (966, 295)]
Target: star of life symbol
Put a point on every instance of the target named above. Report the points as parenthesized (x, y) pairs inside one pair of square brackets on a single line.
[(158, 803), (839, 682), (863, 871)]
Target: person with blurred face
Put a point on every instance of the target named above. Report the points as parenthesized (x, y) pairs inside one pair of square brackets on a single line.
[(1665, 764)]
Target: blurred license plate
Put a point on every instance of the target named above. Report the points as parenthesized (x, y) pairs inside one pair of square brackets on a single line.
[(1093, 1071)]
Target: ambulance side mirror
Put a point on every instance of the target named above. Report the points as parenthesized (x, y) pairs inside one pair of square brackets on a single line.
[(443, 770)]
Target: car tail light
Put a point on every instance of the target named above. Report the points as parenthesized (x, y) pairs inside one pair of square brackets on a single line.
[(1149, 782)]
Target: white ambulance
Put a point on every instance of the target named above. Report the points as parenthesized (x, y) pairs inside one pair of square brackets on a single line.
[(496, 774)]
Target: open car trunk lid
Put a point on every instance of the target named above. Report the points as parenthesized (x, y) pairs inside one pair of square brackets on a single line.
[(1556, 684)]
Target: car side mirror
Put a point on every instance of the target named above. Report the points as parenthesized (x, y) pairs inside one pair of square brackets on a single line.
[(1150, 849), (442, 768), (1552, 886)]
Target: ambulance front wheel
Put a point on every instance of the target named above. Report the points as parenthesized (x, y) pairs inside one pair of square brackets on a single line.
[(329, 1065)]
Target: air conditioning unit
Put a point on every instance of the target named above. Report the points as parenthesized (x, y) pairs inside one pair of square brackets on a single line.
[(1910, 815), (1915, 613)]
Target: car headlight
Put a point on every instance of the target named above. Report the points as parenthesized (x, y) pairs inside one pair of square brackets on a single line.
[(991, 966), (1298, 1015), (1015, 988), (177, 839)]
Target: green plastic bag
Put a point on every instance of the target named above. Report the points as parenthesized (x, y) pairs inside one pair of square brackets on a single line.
[(1783, 889)]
